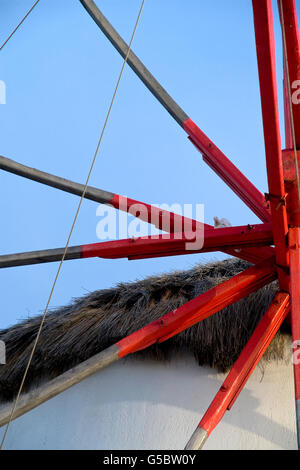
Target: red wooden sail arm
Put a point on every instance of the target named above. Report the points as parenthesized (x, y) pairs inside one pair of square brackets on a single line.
[(242, 369), (213, 240), (200, 308), (151, 246), (228, 172), (190, 313)]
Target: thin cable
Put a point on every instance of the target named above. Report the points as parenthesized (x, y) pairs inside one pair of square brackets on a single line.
[(290, 100), (17, 27), (71, 231)]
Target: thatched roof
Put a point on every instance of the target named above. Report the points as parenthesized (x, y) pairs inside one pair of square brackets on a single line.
[(89, 324)]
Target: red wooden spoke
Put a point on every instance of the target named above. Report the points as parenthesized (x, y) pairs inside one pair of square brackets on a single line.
[(290, 24), (229, 173), (294, 243), (172, 244), (242, 369), (214, 240), (253, 255), (200, 308), (170, 222), (265, 45), (160, 218), (287, 114)]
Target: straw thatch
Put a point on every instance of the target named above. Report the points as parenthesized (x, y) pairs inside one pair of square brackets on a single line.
[(89, 324)]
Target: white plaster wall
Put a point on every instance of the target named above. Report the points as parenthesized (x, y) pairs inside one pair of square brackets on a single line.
[(137, 404)]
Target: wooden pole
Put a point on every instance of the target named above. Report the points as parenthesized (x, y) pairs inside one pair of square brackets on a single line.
[(94, 194)]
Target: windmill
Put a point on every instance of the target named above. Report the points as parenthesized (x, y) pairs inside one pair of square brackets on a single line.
[(272, 246)]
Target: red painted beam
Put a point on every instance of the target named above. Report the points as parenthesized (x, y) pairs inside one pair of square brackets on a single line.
[(228, 172), (177, 244), (265, 47), (252, 255), (159, 245), (170, 222), (289, 23), (294, 245), (160, 218), (242, 369), (287, 114), (199, 308), (291, 186)]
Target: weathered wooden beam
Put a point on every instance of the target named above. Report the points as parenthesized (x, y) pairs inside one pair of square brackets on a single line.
[(134, 63), (39, 257), (93, 194)]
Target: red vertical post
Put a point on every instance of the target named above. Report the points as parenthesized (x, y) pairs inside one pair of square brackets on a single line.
[(289, 23), (294, 245), (287, 114), (265, 47), (291, 47)]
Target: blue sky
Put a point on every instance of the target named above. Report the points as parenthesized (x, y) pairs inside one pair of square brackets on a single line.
[(60, 72)]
